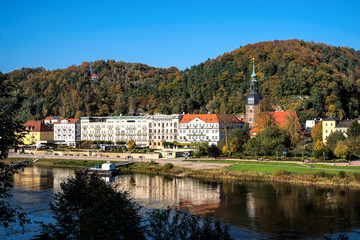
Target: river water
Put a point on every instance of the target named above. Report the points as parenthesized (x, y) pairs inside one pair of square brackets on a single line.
[(253, 210)]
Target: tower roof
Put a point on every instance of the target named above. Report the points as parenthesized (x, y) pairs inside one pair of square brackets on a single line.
[(253, 75), (254, 97)]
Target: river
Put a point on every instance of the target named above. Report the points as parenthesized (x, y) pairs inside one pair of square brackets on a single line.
[(253, 210)]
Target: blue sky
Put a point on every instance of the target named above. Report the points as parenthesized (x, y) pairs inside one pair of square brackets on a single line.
[(180, 33)]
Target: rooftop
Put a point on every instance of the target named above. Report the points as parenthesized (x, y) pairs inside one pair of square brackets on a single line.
[(210, 118), (37, 126)]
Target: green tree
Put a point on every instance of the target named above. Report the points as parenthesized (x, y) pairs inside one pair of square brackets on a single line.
[(10, 137), (170, 224), (213, 151), (333, 140), (10, 130), (252, 147), (273, 139), (238, 137), (201, 150), (353, 130), (88, 208), (319, 149)]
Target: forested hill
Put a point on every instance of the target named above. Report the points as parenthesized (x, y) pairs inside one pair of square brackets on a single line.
[(314, 79)]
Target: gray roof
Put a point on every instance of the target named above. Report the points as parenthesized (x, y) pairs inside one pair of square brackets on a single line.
[(252, 99), (343, 124)]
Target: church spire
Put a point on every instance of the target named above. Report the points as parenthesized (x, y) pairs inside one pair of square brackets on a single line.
[(253, 75), (254, 82)]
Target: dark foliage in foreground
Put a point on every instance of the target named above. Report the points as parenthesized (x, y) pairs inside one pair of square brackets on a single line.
[(10, 137), (89, 208), (171, 224)]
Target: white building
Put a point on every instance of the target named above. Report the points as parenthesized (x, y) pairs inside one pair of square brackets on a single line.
[(67, 131), (211, 128), (163, 128), (118, 128), (131, 128), (309, 124)]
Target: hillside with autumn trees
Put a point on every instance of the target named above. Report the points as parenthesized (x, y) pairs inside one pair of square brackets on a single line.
[(313, 79)]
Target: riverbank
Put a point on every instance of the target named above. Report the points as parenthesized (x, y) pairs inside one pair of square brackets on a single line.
[(228, 170)]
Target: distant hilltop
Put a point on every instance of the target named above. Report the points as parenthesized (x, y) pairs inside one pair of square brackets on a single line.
[(313, 79)]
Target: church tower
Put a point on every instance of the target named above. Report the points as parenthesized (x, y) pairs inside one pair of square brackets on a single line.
[(253, 99)]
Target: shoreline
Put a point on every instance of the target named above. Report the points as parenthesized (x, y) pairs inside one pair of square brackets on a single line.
[(221, 172)]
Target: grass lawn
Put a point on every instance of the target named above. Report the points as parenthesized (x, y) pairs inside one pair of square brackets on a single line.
[(270, 167), (68, 162)]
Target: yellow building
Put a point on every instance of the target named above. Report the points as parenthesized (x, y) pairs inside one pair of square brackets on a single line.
[(328, 127), (331, 125), (37, 131)]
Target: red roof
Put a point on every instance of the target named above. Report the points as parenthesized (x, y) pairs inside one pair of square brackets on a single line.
[(94, 76), (37, 126), (279, 117), (210, 118), (48, 118), (280, 120), (70, 121)]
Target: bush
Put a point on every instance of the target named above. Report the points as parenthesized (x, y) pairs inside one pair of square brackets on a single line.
[(281, 172), (213, 151), (342, 174), (167, 166), (321, 174)]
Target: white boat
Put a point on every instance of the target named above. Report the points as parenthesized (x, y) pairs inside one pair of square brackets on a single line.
[(106, 169)]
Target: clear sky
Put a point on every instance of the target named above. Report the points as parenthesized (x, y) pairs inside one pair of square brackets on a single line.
[(181, 33)]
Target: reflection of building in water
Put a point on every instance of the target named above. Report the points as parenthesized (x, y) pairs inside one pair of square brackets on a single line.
[(38, 178), (61, 175), (158, 192), (34, 178)]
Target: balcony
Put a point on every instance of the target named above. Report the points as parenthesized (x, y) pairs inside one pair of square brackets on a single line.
[(195, 134)]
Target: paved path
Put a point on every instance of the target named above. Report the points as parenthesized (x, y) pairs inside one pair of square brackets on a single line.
[(176, 162)]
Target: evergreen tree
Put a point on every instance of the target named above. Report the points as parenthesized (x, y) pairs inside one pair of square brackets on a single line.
[(353, 130)]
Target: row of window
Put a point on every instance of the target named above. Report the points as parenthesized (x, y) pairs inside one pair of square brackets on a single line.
[(198, 131)]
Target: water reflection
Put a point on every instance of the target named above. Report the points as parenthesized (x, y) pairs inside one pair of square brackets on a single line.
[(258, 210), (160, 192)]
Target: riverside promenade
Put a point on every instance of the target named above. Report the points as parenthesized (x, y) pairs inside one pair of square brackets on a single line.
[(179, 162)]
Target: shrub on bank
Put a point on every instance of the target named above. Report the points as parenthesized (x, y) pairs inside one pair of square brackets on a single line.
[(281, 172)]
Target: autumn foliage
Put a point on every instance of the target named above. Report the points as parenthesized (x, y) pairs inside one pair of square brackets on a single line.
[(313, 79)]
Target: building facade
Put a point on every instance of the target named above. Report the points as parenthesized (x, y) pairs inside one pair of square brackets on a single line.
[(67, 131), (115, 129), (211, 128), (163, 128), (252, 100), (331, 125), (37, 132)]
